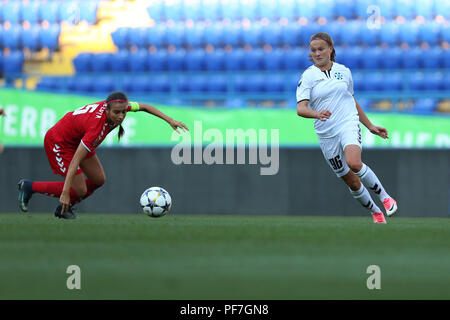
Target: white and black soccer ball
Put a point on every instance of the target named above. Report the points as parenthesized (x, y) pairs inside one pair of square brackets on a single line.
[(155, 202)]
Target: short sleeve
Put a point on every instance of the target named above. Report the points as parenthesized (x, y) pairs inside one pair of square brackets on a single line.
[(350, 82), (133, 106), (94, 136), (304, 88)]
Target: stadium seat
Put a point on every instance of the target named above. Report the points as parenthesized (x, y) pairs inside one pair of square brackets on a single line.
[(290, 35), (13, 62), (372, 81), (386, 8), (404, 8), (350, 57), (271, 35), (48, 37), (344, 8), (176, 59), (416, 81), (274, 84), (370, 37), (11, 37), (173, 10), (358, 79), (156, 36), (234, 60), (81, 84), (424, 105), (287, 9), (139, 84), (239, 83), (210, 10), (48, 11), (48, 83), (430, 33), (1, 38), (253, 60), (83, 62), (1, 63), (182, 84), (433, 81), (411, 58), (296, 60), (195, 35), (196, 84), (391, 58), (88, 11), (11, 11), (273, 60), (69, 11), (351, 33), (30, 12), (442, 8), (101, 62), (268, 9), (306, 9), (307, 31), (361, 7), (120, 37), (120, 61), (364, 103), (155, 10), (389, 33), (214, 35), (252, 36), (191, 10), (195, 60), (230, 9), (157, 61), (424, 8), (175, 35), (104, 85), (325, 8), (249, 9), (446, 58), (408, 32), (159, 84), (433, 58), (217, 84), (392, 82), (254, 84), (139, 61), (30, 38), (333, 28), (138, 37), (215, 60), (232, 35)]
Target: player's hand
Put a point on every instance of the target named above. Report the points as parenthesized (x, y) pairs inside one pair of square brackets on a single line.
[(64, 199), (379, 131), (323, 115), (177, 124)]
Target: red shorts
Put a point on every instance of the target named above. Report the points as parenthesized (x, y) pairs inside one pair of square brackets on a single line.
[(60, 155)]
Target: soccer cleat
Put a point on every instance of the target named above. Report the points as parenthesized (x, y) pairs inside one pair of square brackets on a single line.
[(25, 193), (66, 215), (378, 217), (391, 206)]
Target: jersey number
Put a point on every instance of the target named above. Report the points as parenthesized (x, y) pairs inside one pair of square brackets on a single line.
[(89, 108), (336, 163)]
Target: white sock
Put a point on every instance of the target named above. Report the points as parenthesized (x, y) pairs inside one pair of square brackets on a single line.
[(371, 181), (363, 197)]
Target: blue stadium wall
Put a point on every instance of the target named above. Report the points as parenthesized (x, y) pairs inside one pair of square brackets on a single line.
[(304, 185)]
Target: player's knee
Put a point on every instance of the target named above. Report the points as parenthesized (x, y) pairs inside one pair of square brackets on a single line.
[(101, 181), (355, 165)]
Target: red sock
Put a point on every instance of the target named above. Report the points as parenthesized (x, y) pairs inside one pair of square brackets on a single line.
[(91, 187), (54, 189)]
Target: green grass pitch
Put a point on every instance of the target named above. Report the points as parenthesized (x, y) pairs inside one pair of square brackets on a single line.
[(132, 256)]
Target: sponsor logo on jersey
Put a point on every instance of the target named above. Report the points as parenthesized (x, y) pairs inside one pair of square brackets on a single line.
[(338, 76)]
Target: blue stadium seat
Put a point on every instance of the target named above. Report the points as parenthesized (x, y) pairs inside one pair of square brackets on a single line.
[(344, 8), (176, 59), (159, 84), (104, 85), (446, 82), (290, 35), (351, 33), (274, 84), (101, 62), (182, 84), (392, 58), (120, 37), (195, 35), (269, 9), (392, 82), (287, 9), (156, 36), (424, 8), (239, 83), (306, 9), (120, 61), (30, 12), (140, 84), (404, 8), (138, 37), (175, 35), (433, 81), (139, 61), (230, 9), (214, 35), (424, 105), (364, 103), (333, 28), (48, 11), (271, 35), (416, 81), (197, 84), (157, 61), (30, 38), (351, 57), (358, 79), (296, 60), (254, 84), (191, 10), (411, 58), (430, 33), (232, 35), (195, 60), (13, 62), (155, 10), (273, 60), (386, 8), (409, 32), (1, 63), (217, 84), (69, 11), (210, 10), (442, 8), (173, 10), (253, 60), (48, 83), (127, 83), (234, 60), (1, 37), (11, 37), (361, 7), (88, 11), (12, 11), (433, 58), (307, 31), (83, 62), (325, 8), (389, 33), (48, 37), (372, 81), (446, 33), (252, 36), (215, 60), (370, 37), (81, 84), (446, 58)]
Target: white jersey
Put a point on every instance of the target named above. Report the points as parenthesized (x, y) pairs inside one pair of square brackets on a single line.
[(329, 90)]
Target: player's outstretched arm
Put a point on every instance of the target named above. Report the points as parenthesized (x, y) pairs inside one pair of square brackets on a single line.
[(173, 123), (379, 131)]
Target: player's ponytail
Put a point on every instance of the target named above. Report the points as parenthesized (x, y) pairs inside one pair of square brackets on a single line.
[(117, 97), (325, 37)]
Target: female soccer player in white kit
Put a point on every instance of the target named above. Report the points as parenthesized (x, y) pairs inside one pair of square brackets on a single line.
[(325, 93)]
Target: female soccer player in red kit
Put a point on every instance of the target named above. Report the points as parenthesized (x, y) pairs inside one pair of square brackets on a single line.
[(70, 146)]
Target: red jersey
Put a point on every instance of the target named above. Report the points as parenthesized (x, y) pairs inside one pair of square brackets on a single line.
[(87, 125)]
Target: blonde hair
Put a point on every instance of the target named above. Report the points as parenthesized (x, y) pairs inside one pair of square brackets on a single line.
[(325, 37)]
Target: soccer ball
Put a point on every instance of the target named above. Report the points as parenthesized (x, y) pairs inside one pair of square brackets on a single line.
[(155, 202)]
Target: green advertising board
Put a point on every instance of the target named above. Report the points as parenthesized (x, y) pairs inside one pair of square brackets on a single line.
[(30, 114)]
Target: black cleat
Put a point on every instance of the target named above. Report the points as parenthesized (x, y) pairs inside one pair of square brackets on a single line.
[(25, 193), (66, 215)]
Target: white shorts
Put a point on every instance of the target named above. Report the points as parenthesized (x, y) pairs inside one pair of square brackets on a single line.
[(333, 148)]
